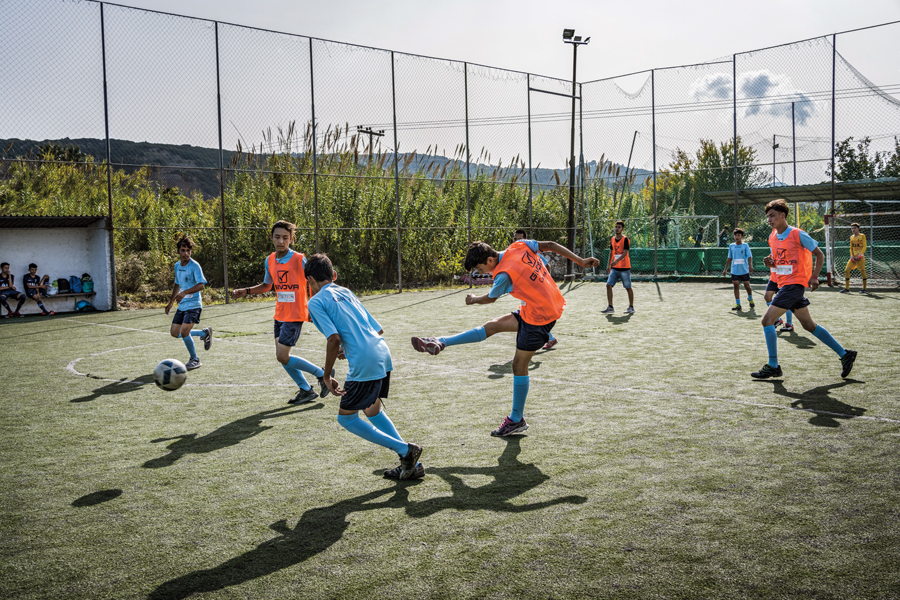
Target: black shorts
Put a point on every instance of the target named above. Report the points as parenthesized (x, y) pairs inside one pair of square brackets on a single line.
[(288, 332), (790, 297), (14, 294), (744, 277), (531, 337), (191, 315), (771, 286), (363, 394)]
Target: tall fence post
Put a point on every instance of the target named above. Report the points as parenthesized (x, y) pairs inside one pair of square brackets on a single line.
[(109, 196), (221, 171), (397, 180), (655, 206), (735, 225), (530, 181), (829, 257), (312, 99), (581, 179), (468, 159)]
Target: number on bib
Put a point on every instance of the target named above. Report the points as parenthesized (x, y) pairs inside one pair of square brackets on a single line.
[(285, 296)]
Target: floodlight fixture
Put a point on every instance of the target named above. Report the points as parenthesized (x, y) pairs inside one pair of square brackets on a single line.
[(568, 33), (577, 38)]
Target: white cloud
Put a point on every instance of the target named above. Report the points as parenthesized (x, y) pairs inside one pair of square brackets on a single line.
[(759, 92)]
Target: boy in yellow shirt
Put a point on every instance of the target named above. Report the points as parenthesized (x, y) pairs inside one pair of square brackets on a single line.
[(857, 259)]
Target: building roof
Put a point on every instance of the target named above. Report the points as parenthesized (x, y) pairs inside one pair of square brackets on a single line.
[(24, 222), (885, 188)]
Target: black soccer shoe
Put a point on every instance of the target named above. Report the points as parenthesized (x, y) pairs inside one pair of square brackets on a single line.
[(207, 338), (767, 371), (304, 397), (847, 361), (323, 389), (394, 473), (408, 462)]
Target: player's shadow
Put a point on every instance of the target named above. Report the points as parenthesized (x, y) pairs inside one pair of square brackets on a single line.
[(97, 497), (116, 387), (800, 341), (320, 528), (499, 371), (227, 435), (826, 409), (746, 314), (619, 320)]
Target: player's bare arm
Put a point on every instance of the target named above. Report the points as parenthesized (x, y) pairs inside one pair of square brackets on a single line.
[(332, 351), (563, 251), (171, 303), (820, 260), (261, 288), (474, 299)]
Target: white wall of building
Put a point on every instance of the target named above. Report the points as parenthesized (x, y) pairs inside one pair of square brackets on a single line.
[(60, 252)]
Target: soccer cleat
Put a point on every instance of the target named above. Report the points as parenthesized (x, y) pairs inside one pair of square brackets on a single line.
[(845, 291), (847, 361), (207, 338), (49, 313), (767, 371), (788, 327), (737, 307), (629, 310), (192, 364), (550, 344), (18, 314), (608, 310), (780, 321), (510, 427), (864, 292), (304, 397), (753, 305), (428, 344), (408, 463), (418, 472), (323, 390)]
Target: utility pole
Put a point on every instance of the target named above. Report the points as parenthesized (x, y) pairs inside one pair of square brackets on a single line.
[(371, 132)]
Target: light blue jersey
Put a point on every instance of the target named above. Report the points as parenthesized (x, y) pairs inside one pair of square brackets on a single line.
[(187, 277), (740, 259), (806, 241), (502, 282), (281, 261), (335, 309)]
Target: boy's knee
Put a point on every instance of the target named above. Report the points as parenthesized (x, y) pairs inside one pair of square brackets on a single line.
[(283, 359), (810, 326)]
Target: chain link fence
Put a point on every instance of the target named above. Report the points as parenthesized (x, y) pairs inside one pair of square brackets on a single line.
[(391, 163)]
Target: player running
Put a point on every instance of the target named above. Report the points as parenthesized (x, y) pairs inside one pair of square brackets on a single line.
[(792, 253), (518, 271), (857, 259), (740, 258), (521, 235), (284, 271), (189, 281)]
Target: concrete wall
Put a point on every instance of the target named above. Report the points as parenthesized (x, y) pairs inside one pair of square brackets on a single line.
[(60, 252)]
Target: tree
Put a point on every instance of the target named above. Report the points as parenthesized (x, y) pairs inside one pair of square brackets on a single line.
[(858, 163)]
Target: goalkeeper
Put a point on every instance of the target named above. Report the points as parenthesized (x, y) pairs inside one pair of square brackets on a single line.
[(857, 259)]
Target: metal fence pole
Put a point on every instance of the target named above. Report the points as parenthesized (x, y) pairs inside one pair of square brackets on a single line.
[(312, 98), (530, 205), (581, 163), (109, 196), (468, 159), (221, 171), (397, 180), (655, 216), (735, 225), (830, 257)]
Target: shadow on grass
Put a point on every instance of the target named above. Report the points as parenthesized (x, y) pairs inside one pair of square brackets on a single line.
[(227, 435), (499, 371), (801, 342), (97, 497), (570, 286), (818, 400), (619, 320), (746, 314), (319, 528), (116, 387)]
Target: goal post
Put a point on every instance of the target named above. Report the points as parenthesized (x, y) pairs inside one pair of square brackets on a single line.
[(882, 254)]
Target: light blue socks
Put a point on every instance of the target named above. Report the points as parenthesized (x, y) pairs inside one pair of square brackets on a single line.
[(771, 344), (304, 365), (825, 337), (466, 337), (370, 433), (189, 342), (520, 393)]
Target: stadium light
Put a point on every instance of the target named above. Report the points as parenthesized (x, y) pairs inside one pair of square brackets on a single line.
[(569, 37)]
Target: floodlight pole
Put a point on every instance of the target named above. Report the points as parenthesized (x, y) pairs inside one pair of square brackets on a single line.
[(570, 38)]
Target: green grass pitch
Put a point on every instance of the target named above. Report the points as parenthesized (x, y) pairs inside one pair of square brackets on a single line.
[(654, 466)]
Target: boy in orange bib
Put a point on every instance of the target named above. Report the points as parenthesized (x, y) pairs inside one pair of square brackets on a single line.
[(520, 272), (284, 272), (792, 258)]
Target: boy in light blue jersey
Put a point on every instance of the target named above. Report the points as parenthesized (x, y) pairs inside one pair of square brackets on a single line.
[(189, 280), (521, 235), (741, 260), (352, 332)]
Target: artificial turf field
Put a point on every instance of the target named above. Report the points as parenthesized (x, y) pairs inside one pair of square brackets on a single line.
[(654, 466)]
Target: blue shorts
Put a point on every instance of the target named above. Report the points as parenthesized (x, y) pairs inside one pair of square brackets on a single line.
[(288, 332), (790, 297), (530, 338), (191, 315), (623, 276), (32, 293), (363, 394), (14, 294), (771, 286), (744, 277)]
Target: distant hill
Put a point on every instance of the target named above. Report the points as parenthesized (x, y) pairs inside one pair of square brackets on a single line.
[(196, 168)]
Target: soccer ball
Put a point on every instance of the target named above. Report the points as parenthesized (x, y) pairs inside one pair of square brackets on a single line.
[(170, 374)]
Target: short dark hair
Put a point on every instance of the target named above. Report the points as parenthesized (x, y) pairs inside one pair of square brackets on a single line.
[(32, 266), (724, 227), (319, 267), (290, 227), (4, 264), (779, 205), (522, 231), (738, 230), (851, 225), (185, 241), (621, 222), (477, 254)]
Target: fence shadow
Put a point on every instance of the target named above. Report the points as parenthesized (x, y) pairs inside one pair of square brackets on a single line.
[(320, 528)]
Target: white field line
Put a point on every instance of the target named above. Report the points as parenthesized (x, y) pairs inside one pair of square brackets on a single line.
[(450, 370)]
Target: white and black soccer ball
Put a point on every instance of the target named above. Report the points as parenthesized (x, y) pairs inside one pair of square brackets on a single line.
[(170, 374)]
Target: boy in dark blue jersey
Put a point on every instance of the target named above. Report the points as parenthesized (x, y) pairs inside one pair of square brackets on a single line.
[(353, 332), (34, 285), (8, 291)]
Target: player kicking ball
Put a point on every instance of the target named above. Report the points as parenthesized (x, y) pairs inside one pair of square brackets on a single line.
[(792, 254), (352, 332), (284, 272), (519, 271), (189, 281)]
